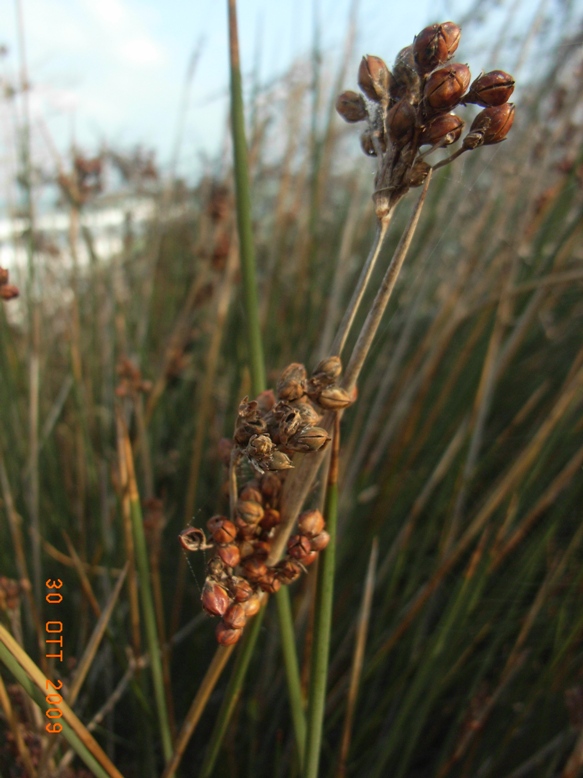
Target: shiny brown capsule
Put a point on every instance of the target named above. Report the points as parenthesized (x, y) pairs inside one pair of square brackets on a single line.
[(254, 568), (288, 570), (226, 636), (235, 617), (419, 173), (252, 492), (292, 382), (374, 78), (435, 45), (445, 88), (334, 398), (271, 518), (253, 605), (215, 598), (490, 126), (311, 522), (309, 439), (230, 554), (240, 588), (279, 461), (319, 542), (298, 546), (493, 88), (444, 130), (270, 583), (249, 511), (351, 107), (401, 122), (222, 529)]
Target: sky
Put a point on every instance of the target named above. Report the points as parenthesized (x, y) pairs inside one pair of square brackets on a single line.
[(113, 70)]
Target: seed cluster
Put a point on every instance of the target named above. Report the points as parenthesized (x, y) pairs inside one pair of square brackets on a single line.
[(411, 106), (268, 432)]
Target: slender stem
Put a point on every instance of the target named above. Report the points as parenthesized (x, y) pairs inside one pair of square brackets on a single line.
[(323, 619), (232, 693), (369, 265), (374, 317), (244, 211), (294, 689)]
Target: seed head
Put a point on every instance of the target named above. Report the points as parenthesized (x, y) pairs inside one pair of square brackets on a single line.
[(443, 130), (250, 512), (311, 523), (350, 105), (222, 530), (319, 542), (292, 382), (445, 88), (279, 461), (229, 554), (288, 570), (298, 546), (328, 371), (235, 616), (490, 126), (334, 398), (435, 45), (374, 78), (401, 121), (240, 588), (253, 605), (493, 88), (270, 582), (227, 636), (309, 439), (215, 598)]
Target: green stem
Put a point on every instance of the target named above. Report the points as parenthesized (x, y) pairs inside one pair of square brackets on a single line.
[(323, 619), (244, 222), (232, 693), (290, 659)]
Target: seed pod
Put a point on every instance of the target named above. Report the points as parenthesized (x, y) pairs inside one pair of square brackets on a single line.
[(328, 371), (216, 568), (230, 554), (444, 130), (215, 599), (235, 616), (292, 382), (251, 491), (406, 81), (334, 398), (240, 588), (246, 548), (308, 414), (309, 439), (288, 570), (298, 546), (493, 88), (262, 548), (254, 568), (253, 605), (289, 424), (445, 88), (222, 530), (419, 173), (192, 539), (270, 583), (271, 518), (319, 542), (245, 430), (435, 45), (260, 447), (227, 636), (250, 512), (248, 409), (401, 122), (270, 487), (311, 522), (374, 78), (279, 461), (351, 107), (310, 558), (490, 126)]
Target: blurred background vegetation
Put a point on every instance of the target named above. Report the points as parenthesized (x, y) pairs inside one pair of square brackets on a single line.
[(463, 455)]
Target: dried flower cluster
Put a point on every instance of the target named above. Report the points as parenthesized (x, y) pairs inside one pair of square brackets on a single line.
[(268, 431), (411, 106), (7, 291), (131, 382)]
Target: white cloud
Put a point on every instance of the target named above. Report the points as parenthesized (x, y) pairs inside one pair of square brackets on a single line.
[(142, 50)]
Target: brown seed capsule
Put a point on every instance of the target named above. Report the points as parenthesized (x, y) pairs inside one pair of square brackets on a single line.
[(310, 558), (271, 518), (351, 107), (406, 81), (327, 371), (401, 122), (309, 439), (260, 447), (253, 605), (288, 570), (374, 78), (235, 616), (222, 530), (445, 88), (279, 461), (490, 126), (270, 583), (230, 554), (334, 398), (419, 173), (9, 291), (251, 491), (308, 414), (216, 568), (292, 382), (240, 588), (289, 424), (192, 539), (493, 88), (444, 130), (298, 546), (245, 430), (262, 548), (435, 45), (319, 542), (311, 522), (215, 598), (254, 568), (270, 487), (227, 636), (250, 512)]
